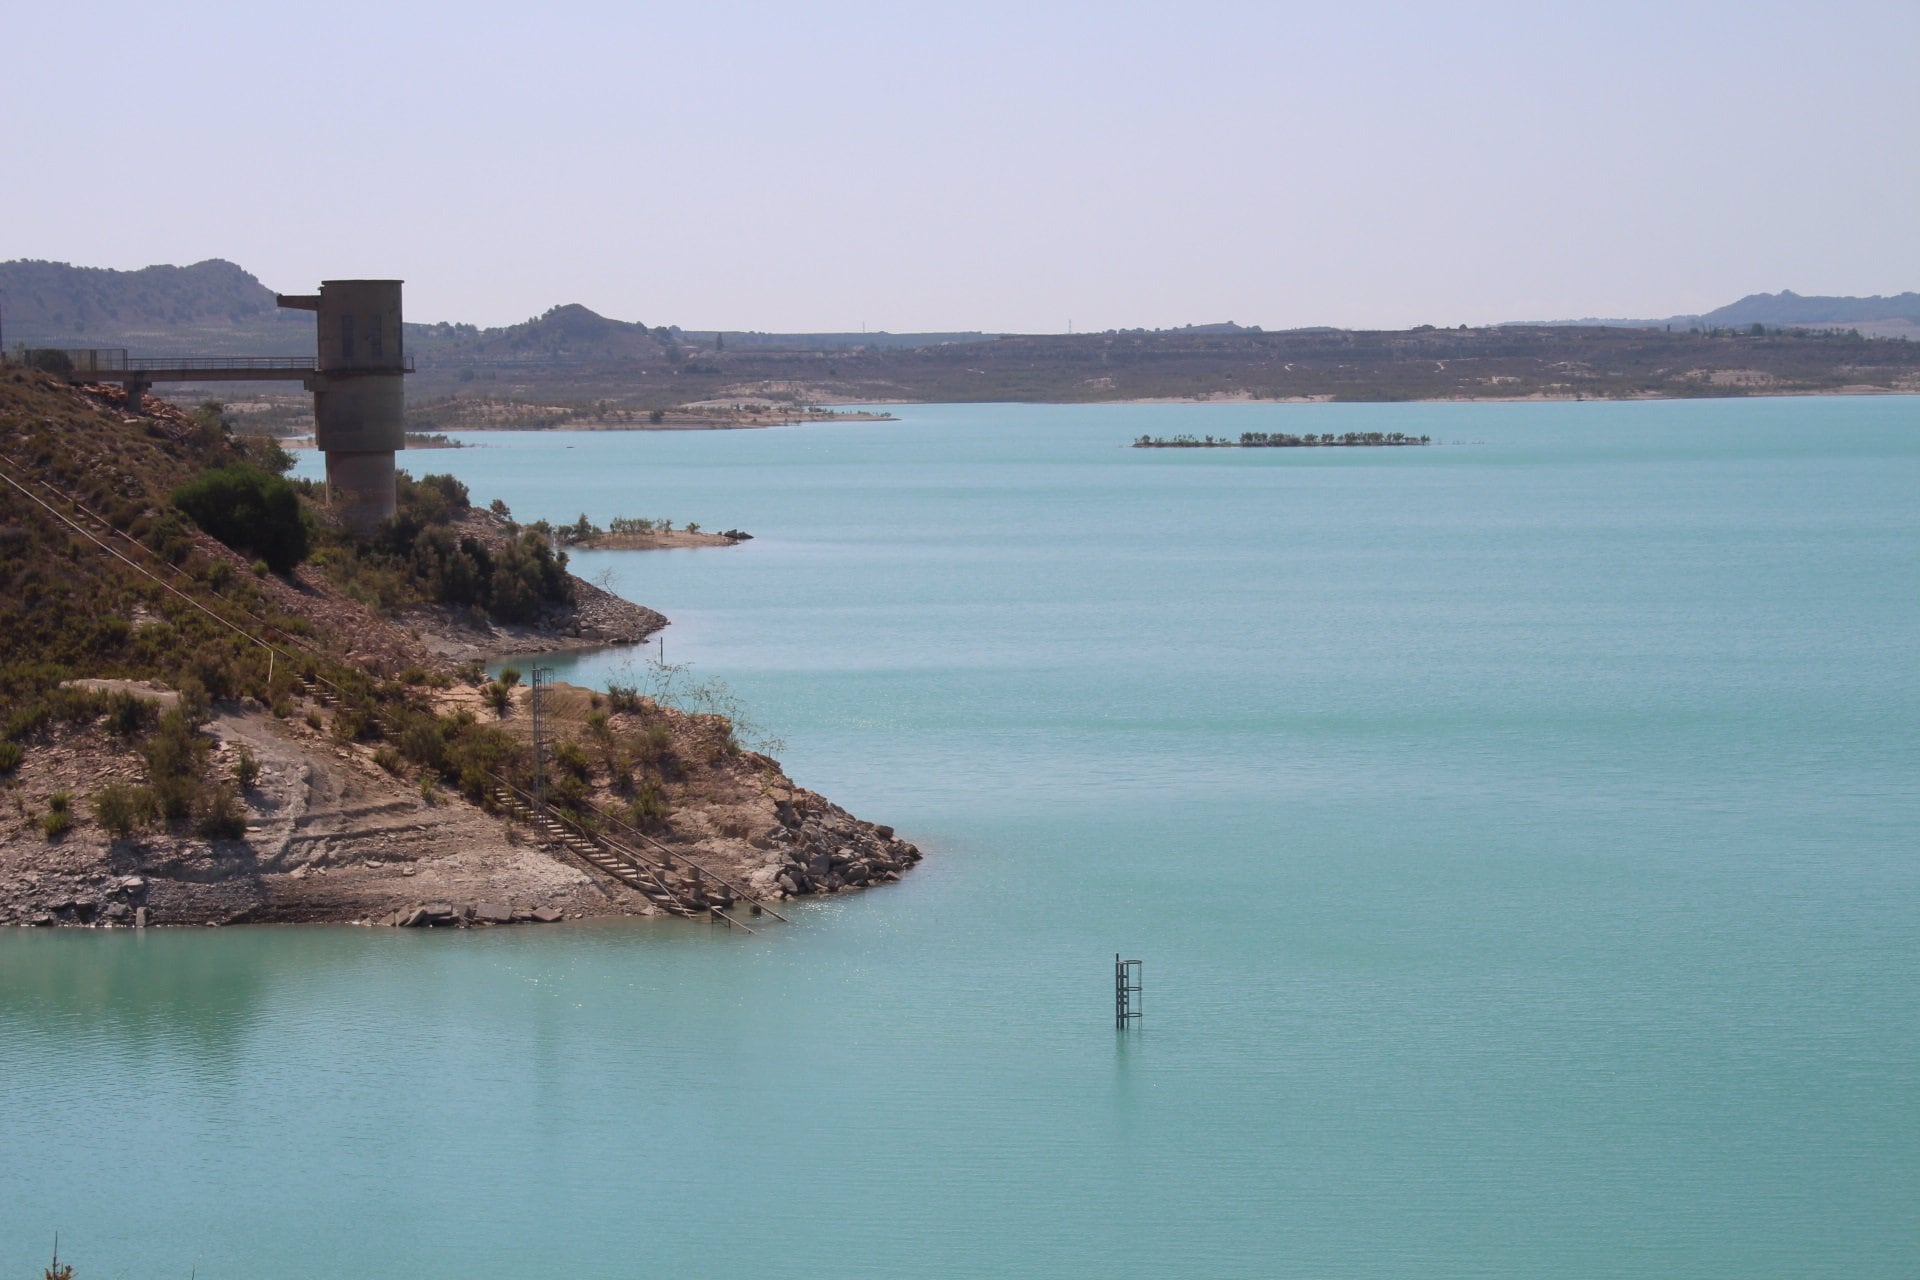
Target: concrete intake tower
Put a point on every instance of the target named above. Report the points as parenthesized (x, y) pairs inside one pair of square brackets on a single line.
[(359, 406)]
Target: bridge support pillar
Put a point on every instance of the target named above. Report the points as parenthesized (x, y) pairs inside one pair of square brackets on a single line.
[(136, 392)]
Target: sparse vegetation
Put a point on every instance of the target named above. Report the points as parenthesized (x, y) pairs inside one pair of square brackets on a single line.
[(420, 557), (218, 815), (59, 818), (246, 769), (122, 809)]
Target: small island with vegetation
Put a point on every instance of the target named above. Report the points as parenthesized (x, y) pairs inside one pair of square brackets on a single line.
[(1281, 440), (631, 533)]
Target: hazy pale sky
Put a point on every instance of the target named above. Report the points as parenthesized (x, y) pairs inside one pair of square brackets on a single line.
[(979, 166)]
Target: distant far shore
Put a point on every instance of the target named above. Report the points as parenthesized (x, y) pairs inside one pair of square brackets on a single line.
[(1538, 397)]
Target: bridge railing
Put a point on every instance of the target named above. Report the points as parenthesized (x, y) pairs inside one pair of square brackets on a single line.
[(114, 360), (83, 359), (144, 363)]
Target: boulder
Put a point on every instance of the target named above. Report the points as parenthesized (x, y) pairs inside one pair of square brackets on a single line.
[(546, 915), (493, 913)]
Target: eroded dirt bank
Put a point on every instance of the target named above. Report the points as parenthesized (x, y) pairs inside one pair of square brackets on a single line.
[(332, 836)]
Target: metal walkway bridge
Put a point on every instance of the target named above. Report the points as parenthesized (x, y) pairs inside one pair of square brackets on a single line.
[(137, 373)]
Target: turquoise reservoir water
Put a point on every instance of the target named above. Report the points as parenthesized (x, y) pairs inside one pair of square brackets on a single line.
[(1520, 835)]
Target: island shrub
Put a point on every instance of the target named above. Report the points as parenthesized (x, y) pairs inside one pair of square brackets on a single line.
[(248, 509)]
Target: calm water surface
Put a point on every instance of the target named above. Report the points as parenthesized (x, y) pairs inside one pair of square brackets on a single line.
[(1520, 836)]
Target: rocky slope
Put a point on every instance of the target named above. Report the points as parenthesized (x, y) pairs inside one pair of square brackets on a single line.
[(337, 818)]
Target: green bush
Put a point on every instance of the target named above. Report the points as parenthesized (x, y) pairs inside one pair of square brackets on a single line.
[(649, 808), (127, 715), (479, 755), (250, 510), (218, 815), (59, 819), (10, 756), (571, 757), (124, 809)]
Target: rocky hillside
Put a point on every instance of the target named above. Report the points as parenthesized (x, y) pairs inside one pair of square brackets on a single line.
[(187, 737)]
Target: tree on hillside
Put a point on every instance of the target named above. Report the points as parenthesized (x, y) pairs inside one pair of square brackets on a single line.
[(249, 510)]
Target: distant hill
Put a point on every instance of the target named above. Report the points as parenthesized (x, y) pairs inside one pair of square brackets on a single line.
[(1875, 317), (880, 339), (212, 307), (1787, 309), (568, 332)]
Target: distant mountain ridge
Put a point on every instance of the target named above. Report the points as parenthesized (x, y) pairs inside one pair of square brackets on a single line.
[(1891, 316), (1790, 308), (212, 307)]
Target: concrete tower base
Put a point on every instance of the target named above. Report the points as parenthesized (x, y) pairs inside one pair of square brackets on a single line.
[(360, 488)]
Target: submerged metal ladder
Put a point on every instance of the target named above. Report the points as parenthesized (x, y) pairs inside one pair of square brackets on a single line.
[(1127, 1002)]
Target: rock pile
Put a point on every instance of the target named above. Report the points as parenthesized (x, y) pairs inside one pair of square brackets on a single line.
[(824, 848), (447, 915), (55, 899)]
